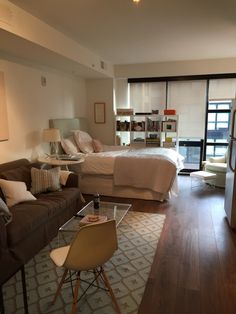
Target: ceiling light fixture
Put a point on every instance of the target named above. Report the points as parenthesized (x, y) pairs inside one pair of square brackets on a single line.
[(136, 1)]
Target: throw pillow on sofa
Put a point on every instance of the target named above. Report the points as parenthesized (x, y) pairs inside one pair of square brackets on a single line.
[(5, 212), (15, 192), (64, 175), (43, 180)]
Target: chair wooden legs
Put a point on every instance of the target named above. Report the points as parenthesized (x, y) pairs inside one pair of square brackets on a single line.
[(76, 290), (77, 286), (110, 290), (60, 285)]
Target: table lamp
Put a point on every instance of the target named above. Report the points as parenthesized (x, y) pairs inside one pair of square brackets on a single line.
[(52, 136)]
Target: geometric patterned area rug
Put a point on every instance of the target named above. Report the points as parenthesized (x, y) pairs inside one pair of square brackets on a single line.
[(127, 270)]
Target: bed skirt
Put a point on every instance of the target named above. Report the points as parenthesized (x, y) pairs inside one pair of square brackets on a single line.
[(103, 184)]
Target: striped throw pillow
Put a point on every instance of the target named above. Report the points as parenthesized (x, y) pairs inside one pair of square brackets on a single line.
[(43, 180)]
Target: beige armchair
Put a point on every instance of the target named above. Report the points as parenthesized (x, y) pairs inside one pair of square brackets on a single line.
[(93, 245), (217, 165)]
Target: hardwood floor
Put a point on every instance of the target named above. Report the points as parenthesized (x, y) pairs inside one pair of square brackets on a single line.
[(194, 269)]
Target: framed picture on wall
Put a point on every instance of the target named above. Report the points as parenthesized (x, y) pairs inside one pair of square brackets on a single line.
[(169, 126), (99, 112)]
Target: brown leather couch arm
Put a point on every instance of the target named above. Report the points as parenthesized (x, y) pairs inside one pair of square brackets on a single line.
[(3, 237), (72, 181)]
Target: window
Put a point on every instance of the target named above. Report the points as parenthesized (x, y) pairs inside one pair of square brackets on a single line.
[(218, 119), (203, 104)]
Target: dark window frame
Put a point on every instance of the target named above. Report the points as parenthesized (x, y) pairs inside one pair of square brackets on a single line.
[(214, 144)]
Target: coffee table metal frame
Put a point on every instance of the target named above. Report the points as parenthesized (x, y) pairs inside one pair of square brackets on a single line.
[(115, 211)]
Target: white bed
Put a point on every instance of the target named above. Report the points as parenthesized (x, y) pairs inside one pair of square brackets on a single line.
[(123, 172)]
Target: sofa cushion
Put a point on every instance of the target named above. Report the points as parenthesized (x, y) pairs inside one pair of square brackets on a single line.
[(21, 173), (15, 192), (29, 216), (43, 180)]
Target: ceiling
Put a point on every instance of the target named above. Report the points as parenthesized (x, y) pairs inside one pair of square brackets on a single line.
[(123, 32)]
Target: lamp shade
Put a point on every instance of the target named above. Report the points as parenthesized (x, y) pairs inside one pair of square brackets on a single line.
[(51, 135)]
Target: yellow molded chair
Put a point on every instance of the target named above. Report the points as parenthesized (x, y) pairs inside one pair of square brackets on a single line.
[(93, 245), (217, 165)]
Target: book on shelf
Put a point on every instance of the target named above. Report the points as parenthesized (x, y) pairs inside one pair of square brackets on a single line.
[(152, 139), (143, 113), (168, 144), (138, 140), (124, 111)]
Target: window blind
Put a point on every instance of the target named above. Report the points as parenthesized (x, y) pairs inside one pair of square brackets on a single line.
[(189, 100)]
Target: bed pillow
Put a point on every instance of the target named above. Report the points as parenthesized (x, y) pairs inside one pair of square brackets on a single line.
[(97, 146), (5, 212), (69, 145), (45, 180), (84, 141), (15, 192)]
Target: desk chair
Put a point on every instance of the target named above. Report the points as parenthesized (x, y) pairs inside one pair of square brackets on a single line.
[(92, 246)]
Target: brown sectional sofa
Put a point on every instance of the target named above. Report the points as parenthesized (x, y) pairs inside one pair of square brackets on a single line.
[(34, 223)]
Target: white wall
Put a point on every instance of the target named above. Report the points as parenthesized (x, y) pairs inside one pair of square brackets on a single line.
[(30, 106), (101, 90)]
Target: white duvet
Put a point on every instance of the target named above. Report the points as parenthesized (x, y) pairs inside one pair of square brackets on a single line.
[(154, 169), (100, 163), (146, 168), (104, 162)]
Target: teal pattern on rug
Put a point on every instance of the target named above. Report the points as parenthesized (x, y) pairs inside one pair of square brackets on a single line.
[(128, 271)]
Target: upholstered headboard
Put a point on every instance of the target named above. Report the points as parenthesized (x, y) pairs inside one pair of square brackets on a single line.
[(66, 125)]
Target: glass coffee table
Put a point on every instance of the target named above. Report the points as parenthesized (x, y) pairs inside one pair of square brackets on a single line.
[(115, 211)]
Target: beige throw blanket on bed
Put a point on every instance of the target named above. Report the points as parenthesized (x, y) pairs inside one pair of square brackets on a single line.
[(145, 171)]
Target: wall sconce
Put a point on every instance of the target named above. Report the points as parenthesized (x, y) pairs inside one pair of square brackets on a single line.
[(52, 136)]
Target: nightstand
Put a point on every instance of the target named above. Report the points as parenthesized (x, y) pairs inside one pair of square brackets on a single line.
[(53, 161)]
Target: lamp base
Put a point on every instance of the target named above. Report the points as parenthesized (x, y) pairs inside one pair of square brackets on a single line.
[(54, 148)]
